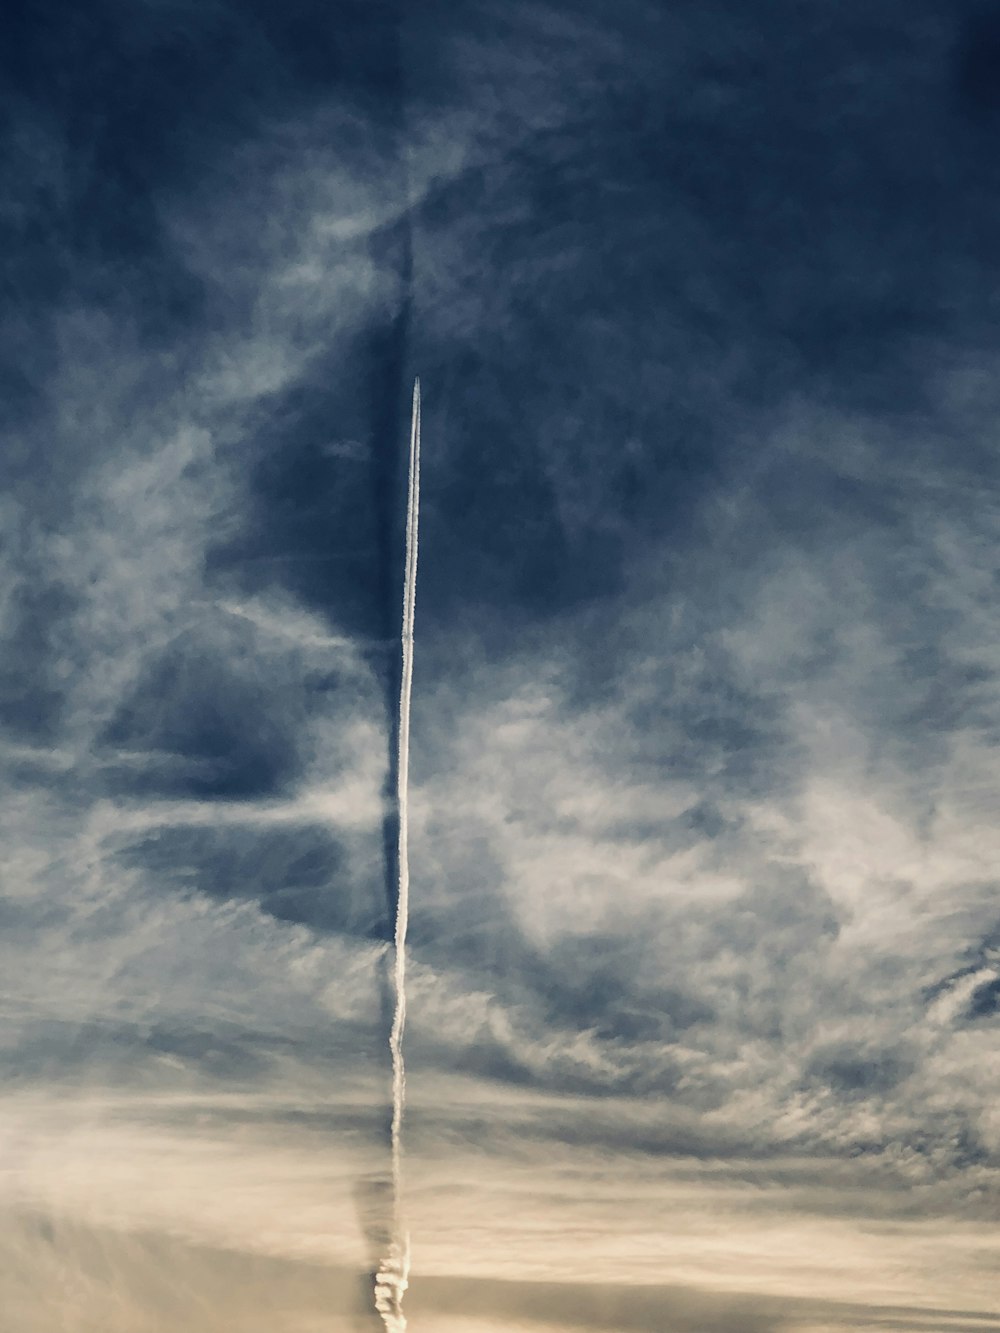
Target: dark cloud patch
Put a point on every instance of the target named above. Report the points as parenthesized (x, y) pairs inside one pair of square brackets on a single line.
[(985, 1001), (65, 1051), (857, 1072), (325, 491), (759, 247), (214, 1050), (789, 903), (977, 64), (19, 399), (34, 671), (486, 937), (583, 983), (690, 715), (132, 106), (137, 1052), (311, 522), (639, 989), (207, 700), (301, 874), (104, 90), (573, 462), (586, 981)]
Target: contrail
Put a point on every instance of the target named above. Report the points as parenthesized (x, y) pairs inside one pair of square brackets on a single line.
[(392, 1278)]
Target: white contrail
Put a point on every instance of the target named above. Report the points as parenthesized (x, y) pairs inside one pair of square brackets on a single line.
[(393, 1275)]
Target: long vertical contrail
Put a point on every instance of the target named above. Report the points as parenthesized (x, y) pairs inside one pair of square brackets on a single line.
[(392, 1277)]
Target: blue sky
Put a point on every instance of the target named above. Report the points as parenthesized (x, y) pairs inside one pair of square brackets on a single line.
[(705, 965)]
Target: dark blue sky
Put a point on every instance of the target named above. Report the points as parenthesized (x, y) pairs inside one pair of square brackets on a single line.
[(703, 300)]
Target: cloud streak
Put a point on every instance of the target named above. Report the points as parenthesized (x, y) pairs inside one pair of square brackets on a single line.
[(393, 1277)]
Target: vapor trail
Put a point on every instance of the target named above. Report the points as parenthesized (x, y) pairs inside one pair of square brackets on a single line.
[(392, 1277)]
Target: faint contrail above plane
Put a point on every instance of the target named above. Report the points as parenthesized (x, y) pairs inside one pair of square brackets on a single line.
[(393, 1275)]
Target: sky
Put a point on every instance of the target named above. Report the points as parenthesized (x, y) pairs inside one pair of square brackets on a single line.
[(704, 974)]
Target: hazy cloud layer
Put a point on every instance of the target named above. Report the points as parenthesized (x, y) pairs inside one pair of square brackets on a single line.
[(111, 1280)]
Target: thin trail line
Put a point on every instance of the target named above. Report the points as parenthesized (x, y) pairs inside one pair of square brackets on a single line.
[(392, 1279)]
